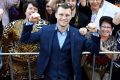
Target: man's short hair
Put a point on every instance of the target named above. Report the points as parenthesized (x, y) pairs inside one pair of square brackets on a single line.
[(64, 5)]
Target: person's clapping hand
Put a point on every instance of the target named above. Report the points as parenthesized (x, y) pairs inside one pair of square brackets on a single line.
[(34, 18), (83, 31), (91, 27), (116, 19), (1, 13)]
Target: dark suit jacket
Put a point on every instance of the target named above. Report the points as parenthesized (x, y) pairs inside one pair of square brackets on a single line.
[(45, 37)]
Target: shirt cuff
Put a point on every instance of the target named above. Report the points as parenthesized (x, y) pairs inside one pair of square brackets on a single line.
[(28, 23), (95, 34)]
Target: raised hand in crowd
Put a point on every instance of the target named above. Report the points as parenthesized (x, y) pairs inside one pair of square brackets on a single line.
[(91, 27), (83, 31), (1, 13), (116, 19), (34, 18)]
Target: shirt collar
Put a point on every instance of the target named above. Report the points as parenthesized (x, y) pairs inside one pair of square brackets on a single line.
[(56, 28)]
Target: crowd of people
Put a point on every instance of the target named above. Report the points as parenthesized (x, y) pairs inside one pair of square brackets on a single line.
[(60, 30)]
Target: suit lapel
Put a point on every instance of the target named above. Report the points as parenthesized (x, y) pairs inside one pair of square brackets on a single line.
[(75, 55), (72, 36), (51, 36)]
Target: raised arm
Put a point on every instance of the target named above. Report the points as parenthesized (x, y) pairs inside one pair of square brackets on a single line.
[(27, 36), (93, 44)]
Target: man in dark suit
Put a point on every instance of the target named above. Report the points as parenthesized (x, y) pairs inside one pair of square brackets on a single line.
[(61, 46)]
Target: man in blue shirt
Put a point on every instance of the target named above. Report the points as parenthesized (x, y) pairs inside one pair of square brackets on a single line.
[(61, 46)]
